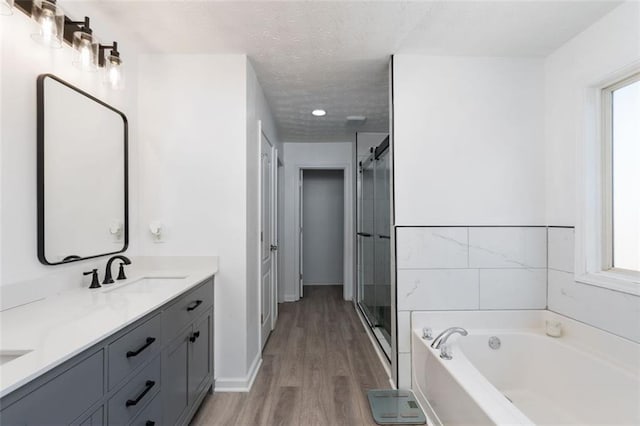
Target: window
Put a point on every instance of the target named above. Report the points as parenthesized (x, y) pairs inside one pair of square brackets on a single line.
[(621, 107)]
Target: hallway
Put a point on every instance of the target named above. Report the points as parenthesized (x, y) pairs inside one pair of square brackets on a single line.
[(317, 366)]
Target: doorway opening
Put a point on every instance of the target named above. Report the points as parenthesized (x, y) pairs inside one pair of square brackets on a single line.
[(322, 228)]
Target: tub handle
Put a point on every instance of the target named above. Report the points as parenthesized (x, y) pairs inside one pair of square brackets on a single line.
[(427, 333), (445, 352)]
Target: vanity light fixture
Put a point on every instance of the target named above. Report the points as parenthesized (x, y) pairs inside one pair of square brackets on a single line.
[(54, 28), (319, 112), (50, 19), (112, 66), (6, 7), (85, 46)]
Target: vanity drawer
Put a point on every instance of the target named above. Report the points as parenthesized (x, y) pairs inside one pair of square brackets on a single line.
[(63, 398), (186, 309), (134, 349), (129, 401), (151, 415), (94, 419)]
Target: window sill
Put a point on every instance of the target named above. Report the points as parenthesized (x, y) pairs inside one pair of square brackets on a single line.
[(618, 281)]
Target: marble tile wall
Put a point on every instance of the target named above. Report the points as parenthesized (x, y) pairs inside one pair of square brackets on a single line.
[(466, 268), (612, 311), (484, 268)]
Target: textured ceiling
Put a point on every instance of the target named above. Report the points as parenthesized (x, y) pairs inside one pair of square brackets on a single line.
[(334, 55)]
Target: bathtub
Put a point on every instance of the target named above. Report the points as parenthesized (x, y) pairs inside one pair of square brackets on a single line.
[(584, 377)]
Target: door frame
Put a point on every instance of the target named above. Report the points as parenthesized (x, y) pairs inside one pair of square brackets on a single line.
[(349, 219)]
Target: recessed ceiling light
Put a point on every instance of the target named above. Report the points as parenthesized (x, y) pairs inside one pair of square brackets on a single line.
[(319, 112)]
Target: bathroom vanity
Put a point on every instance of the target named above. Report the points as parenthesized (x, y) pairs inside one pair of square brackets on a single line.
[(136, 352)]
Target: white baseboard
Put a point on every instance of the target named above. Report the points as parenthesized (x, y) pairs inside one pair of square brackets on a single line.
[(240, 384), (312, 284), (290, 298)]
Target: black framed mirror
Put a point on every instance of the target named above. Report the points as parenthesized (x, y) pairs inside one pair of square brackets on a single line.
[(82, 174)]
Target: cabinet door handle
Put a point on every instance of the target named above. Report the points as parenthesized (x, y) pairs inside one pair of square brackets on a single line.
[(194, 336), (148, 343), (148, 385), (149, 423), (195, 305)]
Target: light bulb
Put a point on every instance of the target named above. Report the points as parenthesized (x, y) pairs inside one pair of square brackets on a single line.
[(84, 56), (114, 76), (50, 20), (48, 29), (86, 51), (113, 72)]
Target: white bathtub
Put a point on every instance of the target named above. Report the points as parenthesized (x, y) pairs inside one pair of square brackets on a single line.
[(585, 377)]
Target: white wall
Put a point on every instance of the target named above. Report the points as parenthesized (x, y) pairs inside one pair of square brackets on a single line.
[(313, 155), (468, 141), (323, 218), (609, 47), (22, 61), (497, 141), (199, 178), (468, 150)]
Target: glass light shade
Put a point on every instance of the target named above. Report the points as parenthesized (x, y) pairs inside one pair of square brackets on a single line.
[(113, 75), (85, 56), (50, 20), (6, 7)]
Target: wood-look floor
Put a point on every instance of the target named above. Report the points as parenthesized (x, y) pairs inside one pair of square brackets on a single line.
[(317, 366)]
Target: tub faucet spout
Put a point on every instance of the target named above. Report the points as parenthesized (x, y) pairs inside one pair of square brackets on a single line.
[(442, 337)]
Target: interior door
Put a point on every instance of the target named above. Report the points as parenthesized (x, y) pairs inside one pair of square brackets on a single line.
[(301, 234), (275, 255), (266, 237)]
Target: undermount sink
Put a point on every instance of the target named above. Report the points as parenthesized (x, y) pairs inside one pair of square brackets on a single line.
[(8, 356), (143, 285)]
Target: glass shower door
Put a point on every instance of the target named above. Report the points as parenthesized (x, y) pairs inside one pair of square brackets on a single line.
[(374, 263), (382, 259)]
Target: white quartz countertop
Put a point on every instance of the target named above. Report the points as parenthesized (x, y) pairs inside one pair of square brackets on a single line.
[(58, 327)]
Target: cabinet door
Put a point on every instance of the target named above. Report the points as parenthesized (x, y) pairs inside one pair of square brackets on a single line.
[(175, 368), (61, 399), (200, 355)]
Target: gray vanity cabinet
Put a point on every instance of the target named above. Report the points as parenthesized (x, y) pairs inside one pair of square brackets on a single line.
[(94, 419), (187, 369), (175, 378), (61, 396), (154, 372), (200, 355)]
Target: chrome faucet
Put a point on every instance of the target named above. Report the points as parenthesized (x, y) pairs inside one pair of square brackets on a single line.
[(107, 274), (442, 337)]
